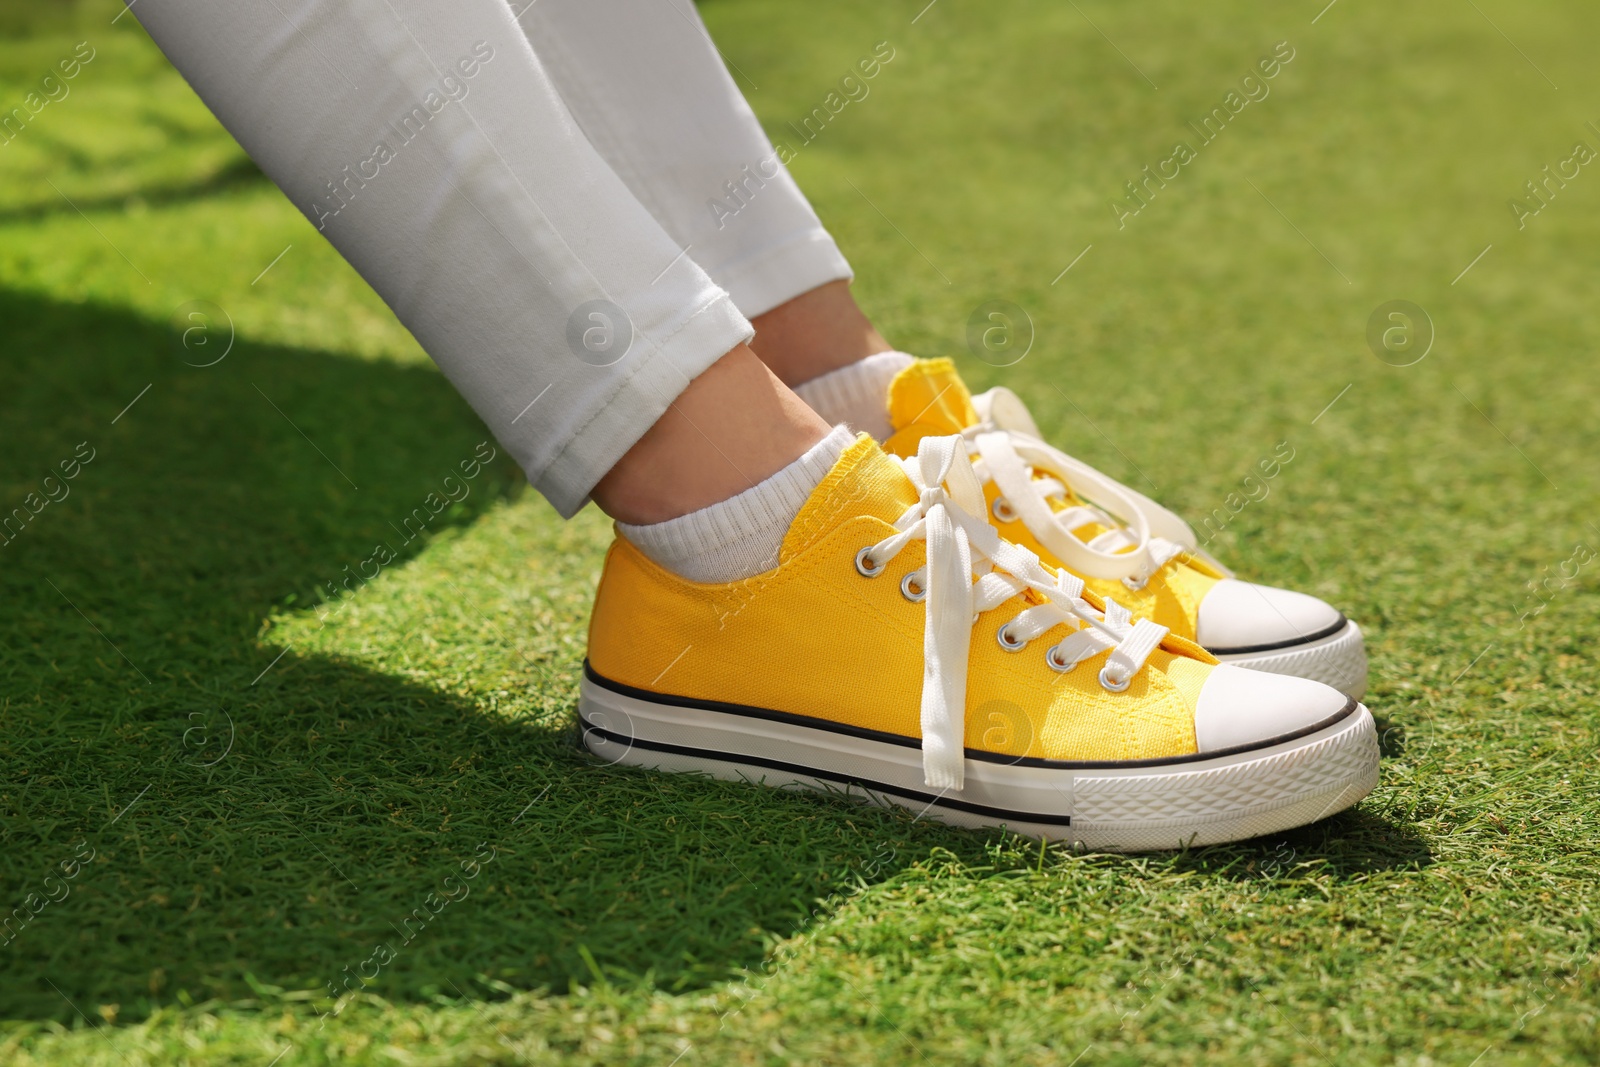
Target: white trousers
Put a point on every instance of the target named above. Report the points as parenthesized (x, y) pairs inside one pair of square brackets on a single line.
[(529, 189)]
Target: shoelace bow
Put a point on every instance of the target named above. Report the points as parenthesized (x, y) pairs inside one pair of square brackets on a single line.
[(1141, 536), (961, 546)]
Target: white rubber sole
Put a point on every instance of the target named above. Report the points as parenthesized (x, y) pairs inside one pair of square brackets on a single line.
[(1338, 659), (1130, 806)]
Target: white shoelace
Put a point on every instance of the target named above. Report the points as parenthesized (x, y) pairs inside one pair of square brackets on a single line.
[(950, 517), (1141, 536)]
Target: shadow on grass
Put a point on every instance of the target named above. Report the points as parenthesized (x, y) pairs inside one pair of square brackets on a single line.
[(261, 824), (1347, 846), (302, 823)]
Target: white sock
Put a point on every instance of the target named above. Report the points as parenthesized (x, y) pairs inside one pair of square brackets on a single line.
[(857, 395), (739, 537)]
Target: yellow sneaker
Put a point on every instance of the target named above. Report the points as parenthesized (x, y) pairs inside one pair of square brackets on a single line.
[(901, 649), (1127, 547)]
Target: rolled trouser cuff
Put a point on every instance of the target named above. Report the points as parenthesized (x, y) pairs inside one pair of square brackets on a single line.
[(652, 375)]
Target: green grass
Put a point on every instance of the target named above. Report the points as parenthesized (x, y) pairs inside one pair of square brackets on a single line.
[(270, 782)]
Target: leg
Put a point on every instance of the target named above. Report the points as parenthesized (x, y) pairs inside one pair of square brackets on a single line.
[(429, 146), (679, 132)]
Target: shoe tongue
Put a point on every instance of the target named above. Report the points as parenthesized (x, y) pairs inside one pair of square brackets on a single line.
[(863, 482), (928, 399)]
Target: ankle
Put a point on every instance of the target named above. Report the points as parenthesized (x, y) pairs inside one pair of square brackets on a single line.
[(742, 536), (814, 333), (733, 427), (857, 395)]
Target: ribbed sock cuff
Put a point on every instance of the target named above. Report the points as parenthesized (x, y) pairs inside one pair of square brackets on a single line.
[(739, 537), (858, 394)]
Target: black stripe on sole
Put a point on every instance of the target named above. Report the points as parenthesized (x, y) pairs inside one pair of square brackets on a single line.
[(811, 772)]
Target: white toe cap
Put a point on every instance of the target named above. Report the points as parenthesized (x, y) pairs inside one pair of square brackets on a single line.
[(1238, 616), (1238, 706)]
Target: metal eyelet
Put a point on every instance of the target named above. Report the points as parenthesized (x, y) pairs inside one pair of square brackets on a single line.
[(1110, 684), (912, 589), (1007, 642), (1002, 510), (1052, 656), (863, 563), (1136, 584)]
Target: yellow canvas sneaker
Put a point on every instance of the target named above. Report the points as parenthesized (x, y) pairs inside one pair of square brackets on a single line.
[(1127, 547), (903, 651)]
